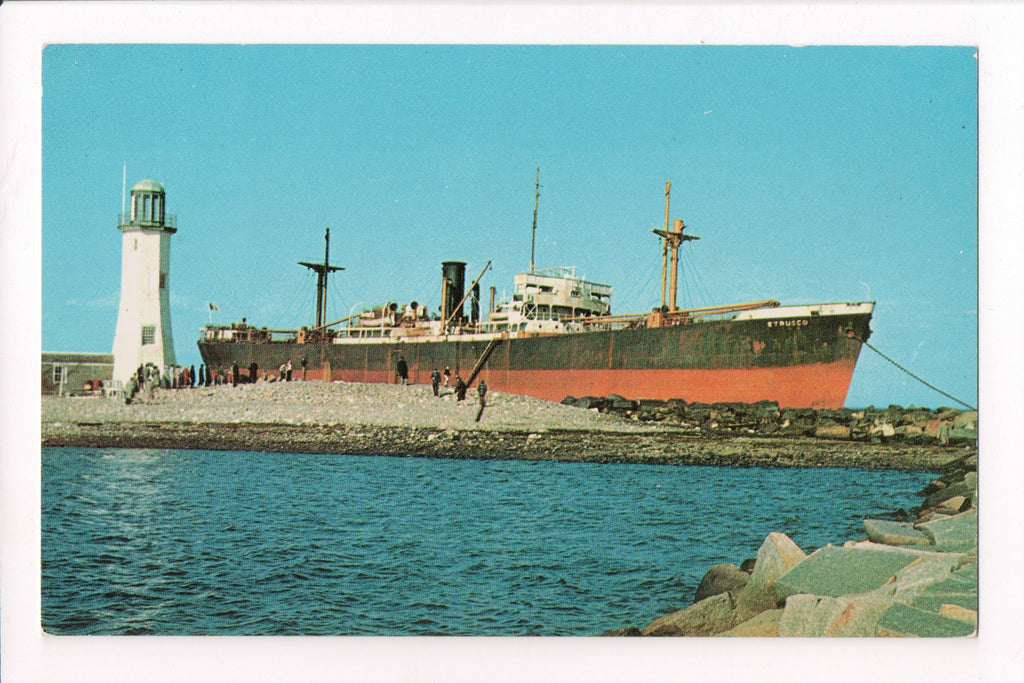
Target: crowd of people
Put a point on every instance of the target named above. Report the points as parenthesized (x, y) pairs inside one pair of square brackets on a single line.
[(149, 377)]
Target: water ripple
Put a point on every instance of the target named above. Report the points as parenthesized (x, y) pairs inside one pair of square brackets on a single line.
[(199, 542)]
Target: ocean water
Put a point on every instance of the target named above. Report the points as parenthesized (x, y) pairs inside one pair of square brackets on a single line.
[(214, 542)]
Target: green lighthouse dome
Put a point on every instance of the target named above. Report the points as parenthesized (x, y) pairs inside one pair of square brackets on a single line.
[(147, 186)]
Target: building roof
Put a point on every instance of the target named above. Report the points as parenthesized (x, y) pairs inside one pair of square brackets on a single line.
[(147, 186), (74, 357)]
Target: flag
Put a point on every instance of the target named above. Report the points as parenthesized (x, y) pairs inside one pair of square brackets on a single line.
[(213, 307)]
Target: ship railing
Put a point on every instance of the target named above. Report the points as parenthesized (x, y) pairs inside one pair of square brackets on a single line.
[(688, 314)]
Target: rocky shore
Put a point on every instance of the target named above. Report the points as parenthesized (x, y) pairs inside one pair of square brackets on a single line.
[(409, 421), (904, 579)]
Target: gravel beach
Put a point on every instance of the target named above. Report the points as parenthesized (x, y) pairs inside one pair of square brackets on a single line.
[(382, 419)]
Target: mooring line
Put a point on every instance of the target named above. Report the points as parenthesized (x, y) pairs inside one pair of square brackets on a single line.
[(927, 384)]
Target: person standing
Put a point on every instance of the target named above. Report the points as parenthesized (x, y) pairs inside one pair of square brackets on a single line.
[(435, 380), (234, 374), (447, 375), (253, 369), (481, 390), (403, 370), (192, 377), (288, 370), (460, 388), (304, 363)]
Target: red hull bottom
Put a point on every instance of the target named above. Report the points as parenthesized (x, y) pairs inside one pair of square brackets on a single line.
[(798, 386)]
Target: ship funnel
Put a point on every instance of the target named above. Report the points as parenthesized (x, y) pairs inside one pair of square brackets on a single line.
[(455, 274)]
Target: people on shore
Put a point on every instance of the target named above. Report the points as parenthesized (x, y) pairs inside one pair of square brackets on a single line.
[(447, 375), (402, 369), (253, 369), (234, 374), (435, 381), (288, 370), (303, 363), (460, 388)]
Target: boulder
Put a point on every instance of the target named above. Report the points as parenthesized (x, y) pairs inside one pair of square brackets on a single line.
[(832, 431), (588, 402), (959, 613), (966, 420), (833, 571), (763, 625), (953, 532), (902, 620), (776, 557), (894, 533), (816, 616), (705, 618), (719, 579), (960, 488), (629, 631), (621, 403), (921, 574)]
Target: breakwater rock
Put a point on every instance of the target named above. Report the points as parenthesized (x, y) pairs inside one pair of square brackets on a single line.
[(381, 419), (905, 579), (942, 426)]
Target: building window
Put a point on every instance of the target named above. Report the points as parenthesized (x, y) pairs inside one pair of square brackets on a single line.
[(163, 280), (148, 334), (58, 370)]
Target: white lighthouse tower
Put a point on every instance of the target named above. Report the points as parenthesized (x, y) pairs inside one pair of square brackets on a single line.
[(144, 318)]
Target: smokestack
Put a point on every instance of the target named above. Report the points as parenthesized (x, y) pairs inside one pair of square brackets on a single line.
[(455, 273)]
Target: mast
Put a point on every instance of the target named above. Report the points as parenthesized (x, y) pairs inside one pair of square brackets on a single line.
[(322, 271), (536, 200), (673, 238), (664, 246)]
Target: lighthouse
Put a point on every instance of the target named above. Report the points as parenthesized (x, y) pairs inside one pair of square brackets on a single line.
[(144, 317)]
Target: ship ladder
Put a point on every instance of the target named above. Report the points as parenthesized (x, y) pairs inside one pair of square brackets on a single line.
[(482, 359)]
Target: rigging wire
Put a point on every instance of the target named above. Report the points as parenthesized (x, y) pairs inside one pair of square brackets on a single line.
[(927, 384), (300, 294)]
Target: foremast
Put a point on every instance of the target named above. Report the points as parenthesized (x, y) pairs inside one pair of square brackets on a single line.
[(322, 270)]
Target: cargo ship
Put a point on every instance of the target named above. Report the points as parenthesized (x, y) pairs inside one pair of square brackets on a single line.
[(557, 337)]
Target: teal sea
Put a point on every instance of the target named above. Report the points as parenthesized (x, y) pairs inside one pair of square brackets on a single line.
[(217, 542)]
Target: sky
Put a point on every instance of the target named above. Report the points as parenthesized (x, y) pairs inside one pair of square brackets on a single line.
[(811, 174)]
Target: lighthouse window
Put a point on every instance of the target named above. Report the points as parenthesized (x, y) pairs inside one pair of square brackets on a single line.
[(148, 334), (163, 280)]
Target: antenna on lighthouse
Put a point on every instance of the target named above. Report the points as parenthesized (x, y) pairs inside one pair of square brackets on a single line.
[(124, 184)]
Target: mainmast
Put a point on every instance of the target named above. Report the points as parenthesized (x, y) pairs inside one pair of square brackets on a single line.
[(322, 271), (536, 200), (673, 238)]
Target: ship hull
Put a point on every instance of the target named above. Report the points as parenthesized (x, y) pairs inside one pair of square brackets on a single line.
[(804, 361)]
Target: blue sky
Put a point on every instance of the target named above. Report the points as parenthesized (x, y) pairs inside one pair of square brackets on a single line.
[(812, 174)]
